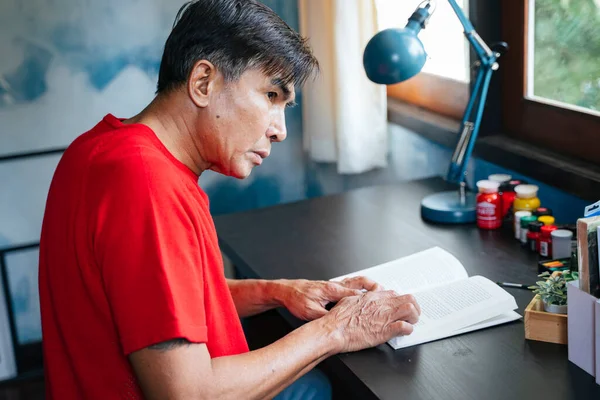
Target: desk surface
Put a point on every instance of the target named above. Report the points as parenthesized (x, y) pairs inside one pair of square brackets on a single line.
[(331, 236)]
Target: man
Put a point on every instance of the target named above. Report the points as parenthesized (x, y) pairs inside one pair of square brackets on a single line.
[(133, 296)]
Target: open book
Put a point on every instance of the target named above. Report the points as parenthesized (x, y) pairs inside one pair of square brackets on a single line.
[(451, 302)]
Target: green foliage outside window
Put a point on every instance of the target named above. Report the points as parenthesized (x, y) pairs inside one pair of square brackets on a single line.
[(567, 51)]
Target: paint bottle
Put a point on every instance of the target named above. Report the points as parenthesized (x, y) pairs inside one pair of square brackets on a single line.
[(526, 199), (561, 243), (541, 211), (517, 222), (545, 247), (546, 219), (489, 205), (533, 235), (500, 178), (508, 194), (525, 221)]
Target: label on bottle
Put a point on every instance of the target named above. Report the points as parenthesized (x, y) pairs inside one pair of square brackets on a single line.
[(488, 215), (532, 245), (517, 223), (544, 249), (524, 235)]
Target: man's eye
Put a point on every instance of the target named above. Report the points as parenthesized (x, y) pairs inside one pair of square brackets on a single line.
[(272, 95)]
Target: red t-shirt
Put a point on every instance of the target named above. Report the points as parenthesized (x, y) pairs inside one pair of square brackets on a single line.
[(128, 258)]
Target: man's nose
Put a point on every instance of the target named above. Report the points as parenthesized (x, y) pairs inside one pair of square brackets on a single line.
[(277, 131)]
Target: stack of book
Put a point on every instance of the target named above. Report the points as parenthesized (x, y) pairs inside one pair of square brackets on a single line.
[(583, 303), (588, 231)]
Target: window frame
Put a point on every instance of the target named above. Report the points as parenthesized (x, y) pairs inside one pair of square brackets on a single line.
[(441, 95), (564, 130)]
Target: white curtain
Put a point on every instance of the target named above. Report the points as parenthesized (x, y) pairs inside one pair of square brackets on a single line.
[(344, 114)]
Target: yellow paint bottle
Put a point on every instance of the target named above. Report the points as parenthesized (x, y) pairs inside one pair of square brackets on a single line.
[(526, 198), (546, 219)]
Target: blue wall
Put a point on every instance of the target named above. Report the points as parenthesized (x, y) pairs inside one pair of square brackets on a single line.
[(64, 65)]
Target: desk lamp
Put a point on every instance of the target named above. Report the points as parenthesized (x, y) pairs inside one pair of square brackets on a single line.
[(395, 55)]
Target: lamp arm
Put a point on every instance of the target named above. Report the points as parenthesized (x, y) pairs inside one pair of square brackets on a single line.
[(469, 127), (480, 47), (474, 111)]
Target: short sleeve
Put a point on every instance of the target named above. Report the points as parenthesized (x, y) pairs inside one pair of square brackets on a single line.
[(147, 249)]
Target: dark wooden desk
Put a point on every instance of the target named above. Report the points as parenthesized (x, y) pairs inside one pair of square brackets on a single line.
[(330, 236)]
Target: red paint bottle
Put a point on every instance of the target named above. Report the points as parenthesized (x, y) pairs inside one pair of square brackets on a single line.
[(508, 194), (489, 205), (545, 247), (533, 236)]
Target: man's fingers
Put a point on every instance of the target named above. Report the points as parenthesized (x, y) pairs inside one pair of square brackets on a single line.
[(336, 292), (406, 311), (362, 282), (400, 328), (388, 294), (409, 298)]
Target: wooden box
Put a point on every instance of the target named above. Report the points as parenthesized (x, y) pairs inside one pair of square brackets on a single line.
[(544, 326)]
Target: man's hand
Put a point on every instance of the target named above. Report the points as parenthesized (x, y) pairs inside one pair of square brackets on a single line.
[(307, 299), (372, 318)]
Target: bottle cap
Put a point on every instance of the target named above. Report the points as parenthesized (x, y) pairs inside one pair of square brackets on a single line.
[(546, 219), (542, 211), (509, 186), (487, 186), (569, 227), (561, 234), (526, 191), (547, 229), (535, 226), (500, 178), (522, 213), (525, 221)]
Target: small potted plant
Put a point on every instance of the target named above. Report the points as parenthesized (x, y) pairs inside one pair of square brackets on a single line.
[(553, 290)]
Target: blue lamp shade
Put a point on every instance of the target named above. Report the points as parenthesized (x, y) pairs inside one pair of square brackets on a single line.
[(394, 55)]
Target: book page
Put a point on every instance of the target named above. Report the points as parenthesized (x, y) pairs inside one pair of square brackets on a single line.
[(457, 305), (421, 270), (401, 342)]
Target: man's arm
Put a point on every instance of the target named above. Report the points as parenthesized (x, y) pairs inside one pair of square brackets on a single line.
[(183, 370), (253, 296), (305, 299)]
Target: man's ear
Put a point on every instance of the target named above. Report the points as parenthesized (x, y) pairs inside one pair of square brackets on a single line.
[(202, 82)]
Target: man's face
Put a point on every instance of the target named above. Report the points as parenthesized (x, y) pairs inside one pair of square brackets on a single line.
[(246, 117)]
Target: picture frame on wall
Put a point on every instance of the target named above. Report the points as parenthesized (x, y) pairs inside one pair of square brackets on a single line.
[(8, 366), (19, 270)]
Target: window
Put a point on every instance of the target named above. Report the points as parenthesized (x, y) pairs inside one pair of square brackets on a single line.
[(564, 53), (442, 86), (551, 75)]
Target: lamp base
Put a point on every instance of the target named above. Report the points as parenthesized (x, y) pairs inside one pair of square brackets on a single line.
[(447, 208)]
